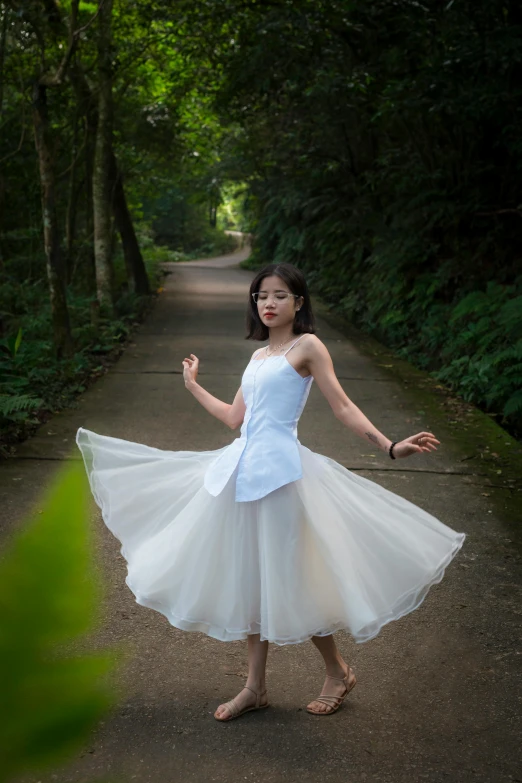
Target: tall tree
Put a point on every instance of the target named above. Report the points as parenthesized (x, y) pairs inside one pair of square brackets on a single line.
[(45, 145), (55, 267), (102, 197), (137, 277)]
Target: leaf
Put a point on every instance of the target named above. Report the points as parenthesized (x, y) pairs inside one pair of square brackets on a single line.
[(10, 404), (49, 594), (18, 341), (514, 404)]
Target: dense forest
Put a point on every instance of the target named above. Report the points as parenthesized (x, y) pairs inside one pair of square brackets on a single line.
[(376, 145)]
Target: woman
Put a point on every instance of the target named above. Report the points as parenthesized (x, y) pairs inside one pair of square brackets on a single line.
[(264, 539)]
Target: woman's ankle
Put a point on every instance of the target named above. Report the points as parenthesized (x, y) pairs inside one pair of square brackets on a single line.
[(258, 686), (337, 668)]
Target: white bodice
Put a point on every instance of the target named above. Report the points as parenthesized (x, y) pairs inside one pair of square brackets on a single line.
[(267, 453)]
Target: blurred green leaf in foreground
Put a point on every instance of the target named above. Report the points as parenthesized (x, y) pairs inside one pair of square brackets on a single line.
[(51, 694)]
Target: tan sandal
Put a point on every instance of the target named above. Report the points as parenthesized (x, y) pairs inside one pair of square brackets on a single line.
[(234, 710), (334, 702)]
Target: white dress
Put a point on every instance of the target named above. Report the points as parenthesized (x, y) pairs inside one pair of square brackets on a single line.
[(265, 536)]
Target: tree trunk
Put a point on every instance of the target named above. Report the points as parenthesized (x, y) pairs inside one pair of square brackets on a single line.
[(136, 273), (87, 108), (101, 176), (213, 206), (72, 202), (55, 276), (2, 182), (3, 35), (2, 205), (90, 272)]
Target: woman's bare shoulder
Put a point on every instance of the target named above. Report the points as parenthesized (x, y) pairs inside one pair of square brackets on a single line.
[(258, 350), (313, 345)]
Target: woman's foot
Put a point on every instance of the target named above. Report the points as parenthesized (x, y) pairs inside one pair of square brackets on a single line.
[(247, 699), (336, 687)]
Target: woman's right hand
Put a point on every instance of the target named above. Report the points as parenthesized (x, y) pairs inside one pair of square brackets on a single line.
[(190, 369)]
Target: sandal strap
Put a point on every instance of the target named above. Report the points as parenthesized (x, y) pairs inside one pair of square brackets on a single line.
[(346, 682), (232, 707), (256, 694), (337, 700), (334, 702), (248, 688), (341, 679)]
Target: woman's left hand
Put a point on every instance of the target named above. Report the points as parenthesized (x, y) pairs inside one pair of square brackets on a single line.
[(423, 441)]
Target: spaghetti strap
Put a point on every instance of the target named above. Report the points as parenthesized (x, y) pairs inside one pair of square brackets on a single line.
[(294, 343)]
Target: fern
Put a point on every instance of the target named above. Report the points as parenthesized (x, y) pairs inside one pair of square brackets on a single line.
[(514, 404), (10, 404)]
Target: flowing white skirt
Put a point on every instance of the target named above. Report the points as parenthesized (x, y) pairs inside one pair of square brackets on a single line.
[(328, 552)]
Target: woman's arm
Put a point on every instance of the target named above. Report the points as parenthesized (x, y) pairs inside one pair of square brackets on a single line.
[(318, 360), (231, 415)]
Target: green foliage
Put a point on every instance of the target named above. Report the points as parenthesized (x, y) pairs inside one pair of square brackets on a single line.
[(53, 694), (32, 380), (381, 145), (233, 212), (17, 403), (184, 227), (14, 403), (169, 145), (482, 350), (375, 144), (211, 242)]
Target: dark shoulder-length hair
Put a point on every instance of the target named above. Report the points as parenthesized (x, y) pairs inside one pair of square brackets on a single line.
[(304, 321)]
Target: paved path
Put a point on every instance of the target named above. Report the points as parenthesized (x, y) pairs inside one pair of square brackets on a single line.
[(437, 693)]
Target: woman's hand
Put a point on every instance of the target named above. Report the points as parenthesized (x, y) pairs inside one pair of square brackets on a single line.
[(423, 441), (231, 415), (190, 369)]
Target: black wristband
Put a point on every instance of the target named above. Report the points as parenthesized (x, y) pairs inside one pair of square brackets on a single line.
[(390, 450)]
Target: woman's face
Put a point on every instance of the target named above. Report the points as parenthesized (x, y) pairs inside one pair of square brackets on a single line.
[(276, 304)]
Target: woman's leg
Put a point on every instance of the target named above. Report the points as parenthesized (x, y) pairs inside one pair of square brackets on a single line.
[(257, 653), (335, 668)]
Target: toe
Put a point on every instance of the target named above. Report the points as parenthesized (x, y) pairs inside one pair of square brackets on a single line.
[(222, 713), (319, 707)]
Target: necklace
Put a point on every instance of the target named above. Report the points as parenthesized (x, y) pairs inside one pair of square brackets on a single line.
[(277, 347)]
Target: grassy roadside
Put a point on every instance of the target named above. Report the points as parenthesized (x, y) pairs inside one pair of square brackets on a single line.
[(32, 369)]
